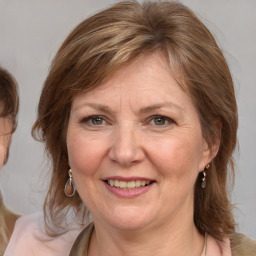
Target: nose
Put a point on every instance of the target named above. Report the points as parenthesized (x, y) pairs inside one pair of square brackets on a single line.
[(126, 148)]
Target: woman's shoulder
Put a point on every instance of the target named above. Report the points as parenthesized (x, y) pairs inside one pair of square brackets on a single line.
[(29, 238), (242, 245), (7, 222)]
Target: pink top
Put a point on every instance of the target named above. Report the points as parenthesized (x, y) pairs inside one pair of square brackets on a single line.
[(29, 239), (216, 248)]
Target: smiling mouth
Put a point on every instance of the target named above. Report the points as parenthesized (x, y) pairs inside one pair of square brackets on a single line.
[(128, 184)]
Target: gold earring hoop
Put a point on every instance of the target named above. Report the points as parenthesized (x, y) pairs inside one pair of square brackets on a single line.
[(203, 184), (70, 188)]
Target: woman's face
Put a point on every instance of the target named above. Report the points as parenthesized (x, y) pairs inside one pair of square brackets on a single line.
[(135, 147), (5, 138)]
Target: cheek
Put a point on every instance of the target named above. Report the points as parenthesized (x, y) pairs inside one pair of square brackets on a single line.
[(2, 155), (4, 145), (84, 155), (178, 163), (177, 156)]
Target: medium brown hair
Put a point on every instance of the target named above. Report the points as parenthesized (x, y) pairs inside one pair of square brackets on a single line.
[(9, 97), (99, 46)]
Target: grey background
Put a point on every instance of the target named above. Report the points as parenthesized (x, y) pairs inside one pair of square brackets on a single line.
[(32, 30)]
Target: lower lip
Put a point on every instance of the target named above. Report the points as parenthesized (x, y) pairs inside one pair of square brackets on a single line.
[(128, 193)]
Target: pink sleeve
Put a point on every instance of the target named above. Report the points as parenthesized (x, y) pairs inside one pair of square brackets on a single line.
[(28, 239)]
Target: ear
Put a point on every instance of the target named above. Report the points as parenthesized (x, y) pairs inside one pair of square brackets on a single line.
[(210, 151)]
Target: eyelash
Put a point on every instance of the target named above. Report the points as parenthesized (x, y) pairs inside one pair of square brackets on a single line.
[(90, 120)]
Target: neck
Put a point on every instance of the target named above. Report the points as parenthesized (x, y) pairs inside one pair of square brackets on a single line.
[(179, 240)]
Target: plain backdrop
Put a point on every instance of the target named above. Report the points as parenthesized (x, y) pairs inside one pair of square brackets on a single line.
[(32, 30)]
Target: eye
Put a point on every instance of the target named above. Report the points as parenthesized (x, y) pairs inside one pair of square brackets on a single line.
[(160, 120), (94, 120), (97, 120)]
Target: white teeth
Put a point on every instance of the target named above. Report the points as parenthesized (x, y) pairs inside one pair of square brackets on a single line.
[(137, 183), (116, 183), (122, 184), (129, 184)]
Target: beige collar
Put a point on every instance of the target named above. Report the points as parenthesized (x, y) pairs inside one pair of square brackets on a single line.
[(211, 246)]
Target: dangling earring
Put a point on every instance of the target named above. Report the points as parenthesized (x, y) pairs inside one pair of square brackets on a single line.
[(203, 184), (70, 189)]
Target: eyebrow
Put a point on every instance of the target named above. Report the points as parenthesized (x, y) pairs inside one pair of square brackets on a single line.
[(96, 106), (160, 105), (143, 110)]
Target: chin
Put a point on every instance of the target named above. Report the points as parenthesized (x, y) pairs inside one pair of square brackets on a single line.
[(126, 218)]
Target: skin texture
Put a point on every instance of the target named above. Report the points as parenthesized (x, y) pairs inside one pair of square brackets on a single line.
[(145, 126)]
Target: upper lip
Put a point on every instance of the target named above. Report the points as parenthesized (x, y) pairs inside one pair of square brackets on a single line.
[(127, 178)]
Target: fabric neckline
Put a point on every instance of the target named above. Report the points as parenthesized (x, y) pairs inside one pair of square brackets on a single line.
[(81, 244)]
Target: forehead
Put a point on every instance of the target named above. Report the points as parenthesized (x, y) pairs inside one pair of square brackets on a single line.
[(143, 81)]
